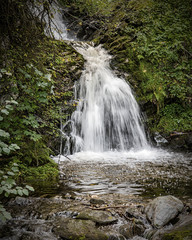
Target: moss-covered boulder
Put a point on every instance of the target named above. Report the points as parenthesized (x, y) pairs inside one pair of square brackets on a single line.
[(99, 217), (76, 229)]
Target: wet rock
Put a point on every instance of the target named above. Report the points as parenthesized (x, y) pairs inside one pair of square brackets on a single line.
[(138, 238), (179, 140), (131, 229), (116, 237), (162, 210), (99, 217), (96, 201), (133, 213), (34, 236), (160, 140), (22, 201), (78, 229), (66, 214), (182, 230)]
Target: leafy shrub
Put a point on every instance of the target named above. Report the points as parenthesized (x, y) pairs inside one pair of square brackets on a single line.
[(8, 187)]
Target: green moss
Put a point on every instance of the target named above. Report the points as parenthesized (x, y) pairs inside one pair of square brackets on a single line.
[(46, 172), (183, 233)]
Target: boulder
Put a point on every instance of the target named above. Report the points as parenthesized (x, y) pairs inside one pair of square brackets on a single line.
[(162, 210), (78, 229), (99, 217)]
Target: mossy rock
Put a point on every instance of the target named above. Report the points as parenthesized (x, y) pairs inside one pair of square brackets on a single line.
[(99, 217), (182, 233), (78, 230)]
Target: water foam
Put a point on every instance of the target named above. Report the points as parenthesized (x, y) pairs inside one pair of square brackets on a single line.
[(115, 157)]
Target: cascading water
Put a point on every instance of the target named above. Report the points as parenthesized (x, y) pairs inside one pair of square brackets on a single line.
[(107, 116)]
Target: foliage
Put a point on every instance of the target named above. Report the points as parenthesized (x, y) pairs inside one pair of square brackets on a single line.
[(37, 73), (4, 135), (174, 117), (9, 187), (93, 7)]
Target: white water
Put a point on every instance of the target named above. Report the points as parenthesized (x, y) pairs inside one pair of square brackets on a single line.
[(107, 116), (54, 23)]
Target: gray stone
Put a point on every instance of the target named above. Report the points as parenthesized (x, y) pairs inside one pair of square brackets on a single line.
[(99, 217), (78, 229), (131, 229), (162, 210)]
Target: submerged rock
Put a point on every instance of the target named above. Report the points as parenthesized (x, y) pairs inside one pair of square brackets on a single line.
[(163, 209), (99, 217), (78, 229)]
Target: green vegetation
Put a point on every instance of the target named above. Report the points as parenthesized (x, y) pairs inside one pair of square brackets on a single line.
[(154, 40), (8, 187), (37, 74)]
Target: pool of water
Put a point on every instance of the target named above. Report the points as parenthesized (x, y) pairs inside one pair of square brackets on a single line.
[(147, 173)]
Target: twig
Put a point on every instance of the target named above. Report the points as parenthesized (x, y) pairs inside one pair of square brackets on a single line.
[(67, 157), (103, 208)]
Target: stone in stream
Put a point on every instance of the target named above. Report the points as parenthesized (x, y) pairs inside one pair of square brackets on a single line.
[(99, 217), (131, 229), (97, 201), (78, 229), (162, 210)]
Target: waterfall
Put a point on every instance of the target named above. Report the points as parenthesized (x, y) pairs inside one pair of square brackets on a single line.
[(107, 116), (54, 23)]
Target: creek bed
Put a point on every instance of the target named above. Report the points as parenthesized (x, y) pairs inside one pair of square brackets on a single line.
[(116, 181)]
